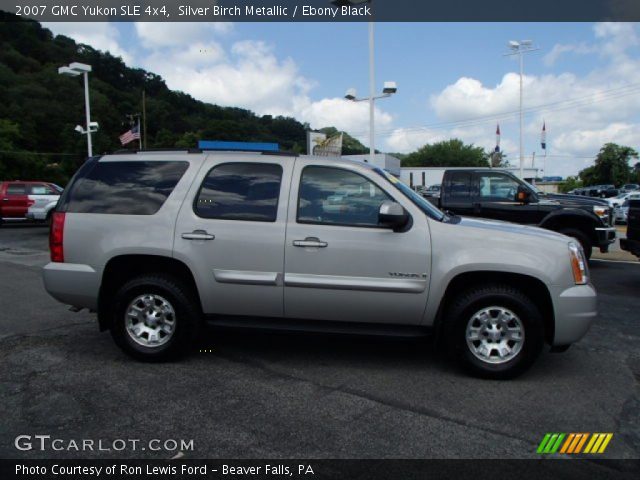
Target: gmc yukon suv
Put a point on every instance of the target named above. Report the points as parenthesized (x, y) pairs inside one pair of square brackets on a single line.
[(160, 243), (500, 195)]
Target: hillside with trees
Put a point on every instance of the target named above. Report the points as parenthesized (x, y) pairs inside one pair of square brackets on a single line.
[(39, 108)]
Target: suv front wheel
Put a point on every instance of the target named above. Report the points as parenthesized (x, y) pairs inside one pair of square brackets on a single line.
[(495, 331), (155, 318)]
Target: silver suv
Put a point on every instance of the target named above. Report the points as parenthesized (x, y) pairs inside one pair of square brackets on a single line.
[(160, 243)]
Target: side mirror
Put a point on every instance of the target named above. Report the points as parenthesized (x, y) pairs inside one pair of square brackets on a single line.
[(392, 215), (523, 195)]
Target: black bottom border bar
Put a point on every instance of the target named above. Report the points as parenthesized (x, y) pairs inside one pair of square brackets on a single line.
[(115, 469)]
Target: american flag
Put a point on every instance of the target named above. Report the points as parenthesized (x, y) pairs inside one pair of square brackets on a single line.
[(131, 135)]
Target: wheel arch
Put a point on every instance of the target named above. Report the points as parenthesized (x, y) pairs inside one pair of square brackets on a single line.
[(576, 219), (120, 269), (530, 286)]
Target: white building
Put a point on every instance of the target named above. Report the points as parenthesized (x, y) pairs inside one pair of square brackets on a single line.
[(415, 176), (383, 160)]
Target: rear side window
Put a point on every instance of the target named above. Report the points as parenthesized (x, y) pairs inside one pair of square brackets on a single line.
[(42, 189), (125, 188), (16, 189), (460, 185), (240, 191)]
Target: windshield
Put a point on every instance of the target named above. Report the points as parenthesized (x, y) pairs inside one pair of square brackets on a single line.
[(425, 205)]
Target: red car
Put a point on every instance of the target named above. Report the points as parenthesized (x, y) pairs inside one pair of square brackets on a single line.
[(27, 200)]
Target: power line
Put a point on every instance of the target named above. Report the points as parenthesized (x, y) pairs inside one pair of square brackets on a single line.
[(618, 92)]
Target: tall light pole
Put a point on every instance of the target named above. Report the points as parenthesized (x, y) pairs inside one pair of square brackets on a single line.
[(520, 48), (372, 92), (388, 89), (74, 69)]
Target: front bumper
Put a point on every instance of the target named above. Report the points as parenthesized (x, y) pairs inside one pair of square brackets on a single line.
[(575, 309), (631, 246), (606, 236), (72, 283)]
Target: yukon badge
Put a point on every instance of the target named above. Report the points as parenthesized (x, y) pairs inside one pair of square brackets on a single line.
[(407, 275)]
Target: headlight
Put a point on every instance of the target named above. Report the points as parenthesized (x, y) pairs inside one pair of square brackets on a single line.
[(578, 264), (601, 211)]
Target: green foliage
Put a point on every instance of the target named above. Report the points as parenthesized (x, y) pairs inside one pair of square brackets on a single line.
[(39, 108), (449, 153), (350, 145), (571, 183), (611, 166)]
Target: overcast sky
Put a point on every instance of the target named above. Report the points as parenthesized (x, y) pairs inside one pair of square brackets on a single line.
[(453, 80)]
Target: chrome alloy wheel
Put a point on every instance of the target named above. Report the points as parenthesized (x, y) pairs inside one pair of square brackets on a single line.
[(495, 335), (150, 320)]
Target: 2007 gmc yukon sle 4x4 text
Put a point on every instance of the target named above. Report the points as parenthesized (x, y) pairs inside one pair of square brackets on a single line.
[(158, 243)]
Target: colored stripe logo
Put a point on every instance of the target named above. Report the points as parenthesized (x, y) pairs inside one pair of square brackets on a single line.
[(573, 443)]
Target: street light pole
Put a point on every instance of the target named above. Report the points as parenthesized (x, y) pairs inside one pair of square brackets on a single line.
[(73, 70), (520, 48), (87, 109), (521, 117), (372, 92)]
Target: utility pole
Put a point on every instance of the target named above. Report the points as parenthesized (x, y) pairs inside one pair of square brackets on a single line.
[(144, 117), (520, 48)]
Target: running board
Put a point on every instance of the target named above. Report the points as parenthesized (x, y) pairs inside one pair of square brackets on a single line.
[(316, 326)]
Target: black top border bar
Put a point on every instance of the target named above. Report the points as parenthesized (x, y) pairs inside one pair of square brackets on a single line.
[(325, 10)]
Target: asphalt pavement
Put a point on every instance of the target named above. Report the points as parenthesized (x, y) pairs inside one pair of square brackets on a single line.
[(255, 395)]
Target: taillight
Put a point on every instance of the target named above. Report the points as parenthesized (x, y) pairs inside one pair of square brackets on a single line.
[(30, 202), (56, 237)]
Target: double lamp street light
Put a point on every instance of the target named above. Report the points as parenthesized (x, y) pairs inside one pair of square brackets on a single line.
[(73, 70)]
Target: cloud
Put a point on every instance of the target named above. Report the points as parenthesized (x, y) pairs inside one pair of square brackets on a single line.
[(99, 35), (250, 75), (582, 112), (165, 34)]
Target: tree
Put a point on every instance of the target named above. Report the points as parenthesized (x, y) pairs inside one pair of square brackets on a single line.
[(449, 153), (611, 166), (571, 183)]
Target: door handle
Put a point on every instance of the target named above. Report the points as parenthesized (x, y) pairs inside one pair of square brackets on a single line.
[(198, 235), (5, 199), (310, 242)]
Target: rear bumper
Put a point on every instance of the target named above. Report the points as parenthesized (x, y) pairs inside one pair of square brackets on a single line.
[(72, 283), (605, 237), (575, 309), (631, 246)]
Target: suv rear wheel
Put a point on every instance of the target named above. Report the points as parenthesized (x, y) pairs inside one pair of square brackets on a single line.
[(155, 318), (495, 331)]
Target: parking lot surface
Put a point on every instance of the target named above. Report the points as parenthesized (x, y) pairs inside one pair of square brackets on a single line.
[(254, 395)]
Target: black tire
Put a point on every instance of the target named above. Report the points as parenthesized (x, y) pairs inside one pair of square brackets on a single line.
[(581, 237), (474, 300), (187, 318)]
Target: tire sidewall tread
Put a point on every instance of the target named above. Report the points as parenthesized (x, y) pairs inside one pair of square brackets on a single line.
[(188, 316), (476, 298)]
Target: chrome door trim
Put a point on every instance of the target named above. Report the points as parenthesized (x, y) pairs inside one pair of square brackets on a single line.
[(244, 277), (402, 285)]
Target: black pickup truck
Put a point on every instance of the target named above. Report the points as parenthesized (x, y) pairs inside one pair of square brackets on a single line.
[(500, 195), (632, 242)]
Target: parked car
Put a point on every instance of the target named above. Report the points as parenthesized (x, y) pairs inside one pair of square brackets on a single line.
[(620, 199), (31, 200), (632, 242), (619, 215), (500, 195), (602, 191), (630, 187), (157, 243)]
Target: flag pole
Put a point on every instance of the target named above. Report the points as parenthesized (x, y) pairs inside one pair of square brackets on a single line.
[(144, 117)]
